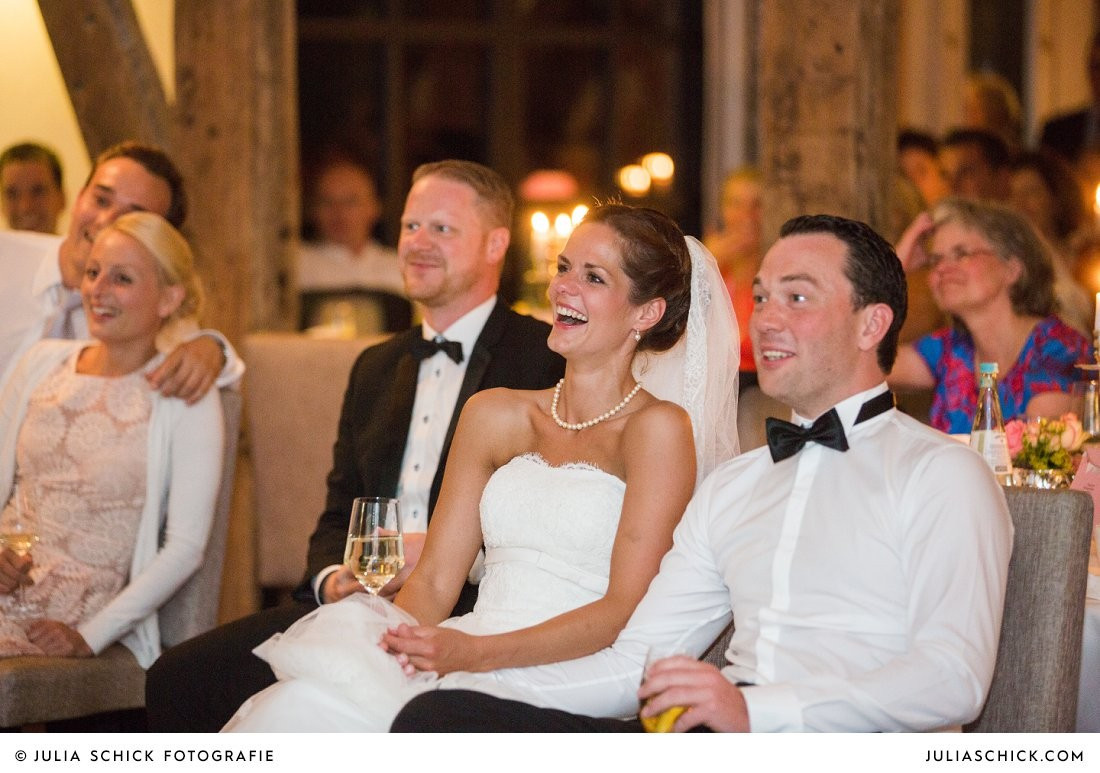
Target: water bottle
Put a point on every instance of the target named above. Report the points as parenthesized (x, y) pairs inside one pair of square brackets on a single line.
[(988, 435)]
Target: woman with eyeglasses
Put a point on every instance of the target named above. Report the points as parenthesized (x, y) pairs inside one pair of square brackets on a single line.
[(993, 276)]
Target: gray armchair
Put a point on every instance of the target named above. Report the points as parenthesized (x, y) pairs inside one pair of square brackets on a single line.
[(1035, 682), (35, 689)]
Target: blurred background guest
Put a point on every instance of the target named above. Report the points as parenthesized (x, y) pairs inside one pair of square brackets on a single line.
[(991, 103), (346, 278), (993, 275), (1045, 190), (31, 196), (735, 245), (975, 162), (1072, 134), (919, 162), (121, 481)]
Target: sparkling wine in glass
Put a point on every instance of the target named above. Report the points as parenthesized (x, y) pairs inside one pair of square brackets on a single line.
[(375, 551), (19, 535), (663, 722)]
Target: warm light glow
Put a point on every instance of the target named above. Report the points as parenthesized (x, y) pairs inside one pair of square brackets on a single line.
[(660, 166), (634, 180), (563, 226), (540, 223), (579, 212)]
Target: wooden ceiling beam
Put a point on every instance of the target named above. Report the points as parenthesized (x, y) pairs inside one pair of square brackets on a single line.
[(110, 75)]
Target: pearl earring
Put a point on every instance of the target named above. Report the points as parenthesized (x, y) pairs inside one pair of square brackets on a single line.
[(637, 336)]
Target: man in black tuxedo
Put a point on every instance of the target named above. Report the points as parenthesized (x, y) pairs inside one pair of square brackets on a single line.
[(396, 425), (1072, 134)]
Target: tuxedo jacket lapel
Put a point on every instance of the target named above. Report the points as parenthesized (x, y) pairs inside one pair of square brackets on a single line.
[(402, 394)]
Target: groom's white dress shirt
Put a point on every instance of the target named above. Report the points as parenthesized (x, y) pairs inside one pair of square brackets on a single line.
[(867, 587)]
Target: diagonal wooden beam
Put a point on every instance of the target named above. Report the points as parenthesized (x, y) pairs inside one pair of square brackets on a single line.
[(110, 75)]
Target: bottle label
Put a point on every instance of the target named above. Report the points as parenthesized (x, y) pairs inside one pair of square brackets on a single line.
[(993, 447)]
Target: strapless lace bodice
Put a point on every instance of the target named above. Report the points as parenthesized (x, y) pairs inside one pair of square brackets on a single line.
[(548, 533)]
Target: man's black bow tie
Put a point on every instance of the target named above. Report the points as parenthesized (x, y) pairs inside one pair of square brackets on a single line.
[(423, 349), (786, 439)]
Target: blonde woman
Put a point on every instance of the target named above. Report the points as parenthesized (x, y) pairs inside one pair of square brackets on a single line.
[(94, 451)]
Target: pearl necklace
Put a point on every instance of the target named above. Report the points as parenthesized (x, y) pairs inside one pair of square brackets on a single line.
[(591, 422)]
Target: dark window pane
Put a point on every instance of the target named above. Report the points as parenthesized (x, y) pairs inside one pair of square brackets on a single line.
[(341, 97), (566, 107), (339, 9), (565, 12), (434, 10), (447, 102)]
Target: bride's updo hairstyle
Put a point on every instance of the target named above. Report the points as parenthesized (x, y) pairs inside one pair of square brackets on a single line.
[(655, 259)]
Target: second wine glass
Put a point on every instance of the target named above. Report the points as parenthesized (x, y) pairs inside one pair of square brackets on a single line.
[(375, 551), (18, 534)]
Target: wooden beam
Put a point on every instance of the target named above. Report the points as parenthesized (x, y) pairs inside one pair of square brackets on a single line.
[(237, 123), (110, 75), (827, 109), (236, 115)]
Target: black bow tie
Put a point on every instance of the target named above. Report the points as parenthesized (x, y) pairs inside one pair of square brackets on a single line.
[(786, 439), (423, 348)]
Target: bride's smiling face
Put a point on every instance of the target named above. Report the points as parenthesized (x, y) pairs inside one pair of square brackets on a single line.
[(590, 293)]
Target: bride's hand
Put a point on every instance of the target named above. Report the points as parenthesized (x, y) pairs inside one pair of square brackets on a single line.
[(430, 648)]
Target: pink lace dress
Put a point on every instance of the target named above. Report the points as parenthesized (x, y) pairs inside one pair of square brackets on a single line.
[(80, 460)]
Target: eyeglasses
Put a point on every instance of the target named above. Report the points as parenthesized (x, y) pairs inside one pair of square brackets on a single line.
[(958, 255)]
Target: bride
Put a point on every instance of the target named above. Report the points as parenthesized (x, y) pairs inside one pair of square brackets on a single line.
[(573, 492)]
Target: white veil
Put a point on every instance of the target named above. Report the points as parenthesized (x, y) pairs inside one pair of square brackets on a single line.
[(700, 371)]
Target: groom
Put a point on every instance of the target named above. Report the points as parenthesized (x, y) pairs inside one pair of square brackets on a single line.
[(863, 558), (398, 418)]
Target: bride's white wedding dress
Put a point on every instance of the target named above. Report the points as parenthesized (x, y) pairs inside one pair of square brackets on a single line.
[(548, 534)]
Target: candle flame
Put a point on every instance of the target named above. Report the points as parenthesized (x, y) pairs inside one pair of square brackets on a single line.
[(540, 223), (659, 165), (563, 225)]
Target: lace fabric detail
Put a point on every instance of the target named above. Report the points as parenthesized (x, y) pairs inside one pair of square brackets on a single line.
[(81, 461), (538, 458)]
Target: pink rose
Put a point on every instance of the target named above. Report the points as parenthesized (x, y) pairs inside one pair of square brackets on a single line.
[(1073, 435), (1014, 434)]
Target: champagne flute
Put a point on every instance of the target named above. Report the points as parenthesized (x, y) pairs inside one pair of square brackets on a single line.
[(19, 535), (375, 550), (663, 722)]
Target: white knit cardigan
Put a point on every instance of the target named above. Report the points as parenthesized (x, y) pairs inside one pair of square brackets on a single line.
[(185, 445)]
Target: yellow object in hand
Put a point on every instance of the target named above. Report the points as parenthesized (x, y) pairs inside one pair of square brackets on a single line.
[(663, 722)]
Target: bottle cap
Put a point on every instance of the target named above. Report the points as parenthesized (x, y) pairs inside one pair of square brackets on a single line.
[(988, 368)]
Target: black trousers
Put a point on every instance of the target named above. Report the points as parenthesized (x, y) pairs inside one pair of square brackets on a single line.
[(466, 711), (195, 687)]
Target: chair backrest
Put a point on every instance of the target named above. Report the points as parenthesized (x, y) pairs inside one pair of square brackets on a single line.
[(1035, 681), (294, 389), (193, 609)]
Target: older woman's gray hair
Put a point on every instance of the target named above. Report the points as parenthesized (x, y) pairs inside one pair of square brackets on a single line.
[(1010, 236)]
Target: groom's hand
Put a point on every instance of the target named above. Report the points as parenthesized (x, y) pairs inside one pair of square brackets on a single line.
[(338, 585), (707, 697)]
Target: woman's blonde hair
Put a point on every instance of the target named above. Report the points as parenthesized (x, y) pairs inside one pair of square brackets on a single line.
[(171, 255)]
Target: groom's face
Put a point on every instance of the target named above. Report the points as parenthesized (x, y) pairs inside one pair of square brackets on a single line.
[(805, 332)]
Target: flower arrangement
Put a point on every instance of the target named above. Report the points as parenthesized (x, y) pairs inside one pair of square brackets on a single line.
[(1045, 444)]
